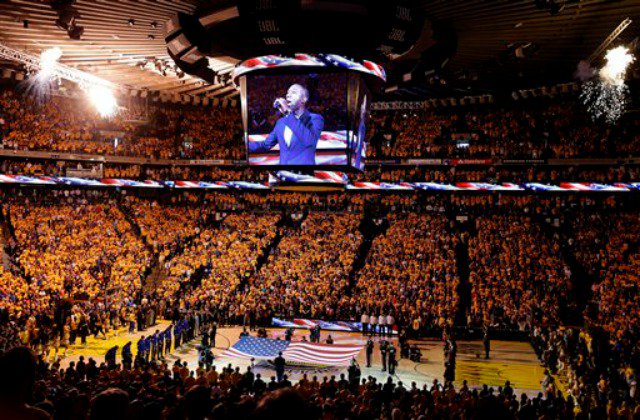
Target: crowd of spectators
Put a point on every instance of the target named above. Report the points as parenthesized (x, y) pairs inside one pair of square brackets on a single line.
[(590, 232), (308, 272), (517, 274), (598, 371), (616, 295), (410, 273), (76, 270), (80, 262), (221, 259), (34, 389), (78, 247), (527, 130), (531, 130), (77, 260), (165, 227), (71, 126)]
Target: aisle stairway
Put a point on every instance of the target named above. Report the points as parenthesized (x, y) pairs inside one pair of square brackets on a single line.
[(6, 260), (369, 230), (464, 288), (198, 275), (271, 246), (572, 312), (158, 273)]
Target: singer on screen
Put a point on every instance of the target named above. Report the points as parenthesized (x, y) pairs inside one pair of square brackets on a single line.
[(297, 132)]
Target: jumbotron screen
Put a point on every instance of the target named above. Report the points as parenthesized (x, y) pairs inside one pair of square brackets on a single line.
[(302, 120)]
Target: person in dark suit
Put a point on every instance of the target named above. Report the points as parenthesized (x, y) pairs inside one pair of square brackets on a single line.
[(392, 359), (285, 383), (110, 357), (369, 351), (127, 356), (486, 341), (296, 133), (383, 354), (279, 364), (141, 347), (212, 333), (259, 386)]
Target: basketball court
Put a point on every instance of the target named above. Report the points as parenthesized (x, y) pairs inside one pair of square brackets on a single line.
[(509, 360)]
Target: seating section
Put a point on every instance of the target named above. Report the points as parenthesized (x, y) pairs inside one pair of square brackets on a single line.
[(165, 227), (526, 130), (617, 295), (410, 272), (309, 271), (517, 275), (77, 261), (79, 248)]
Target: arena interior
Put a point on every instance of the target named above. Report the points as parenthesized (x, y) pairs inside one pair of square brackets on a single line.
[(438, 219)]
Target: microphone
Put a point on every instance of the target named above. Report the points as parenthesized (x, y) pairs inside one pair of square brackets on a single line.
[(279, 104)]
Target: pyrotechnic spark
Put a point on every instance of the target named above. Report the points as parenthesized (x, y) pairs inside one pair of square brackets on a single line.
[(618, 60), (606, 96), (603, 100)]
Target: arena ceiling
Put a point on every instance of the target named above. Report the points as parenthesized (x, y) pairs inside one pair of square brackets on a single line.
[(500, 43)]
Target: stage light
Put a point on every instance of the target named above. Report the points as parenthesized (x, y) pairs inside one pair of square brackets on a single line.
[(75, 32), (555, 8), (67, 21), (103, 100), (552, 6)]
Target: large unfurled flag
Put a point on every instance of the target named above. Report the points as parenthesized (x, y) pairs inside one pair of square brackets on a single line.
[(292, 351)]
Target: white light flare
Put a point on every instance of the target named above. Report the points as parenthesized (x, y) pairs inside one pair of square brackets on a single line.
[(103, 100), (48, 62), (618, 60)]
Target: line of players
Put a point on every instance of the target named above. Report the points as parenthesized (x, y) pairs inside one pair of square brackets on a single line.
[(155, 346)]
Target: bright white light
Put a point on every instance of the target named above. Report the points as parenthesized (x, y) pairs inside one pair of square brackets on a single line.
[(48, 62), (618, 59), (103, 100), (606, 95)]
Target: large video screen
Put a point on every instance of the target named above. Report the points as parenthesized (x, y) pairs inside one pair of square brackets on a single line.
[(299, 120)]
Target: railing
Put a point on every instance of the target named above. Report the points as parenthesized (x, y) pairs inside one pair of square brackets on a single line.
[(138, 160)]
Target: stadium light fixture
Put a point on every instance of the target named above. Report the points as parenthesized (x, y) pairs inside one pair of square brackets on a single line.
[(48, 68)]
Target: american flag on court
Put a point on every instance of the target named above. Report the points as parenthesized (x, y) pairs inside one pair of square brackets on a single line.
[(293, 351)]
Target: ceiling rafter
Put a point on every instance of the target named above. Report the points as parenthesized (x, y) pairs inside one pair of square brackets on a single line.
[(113, 49)]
